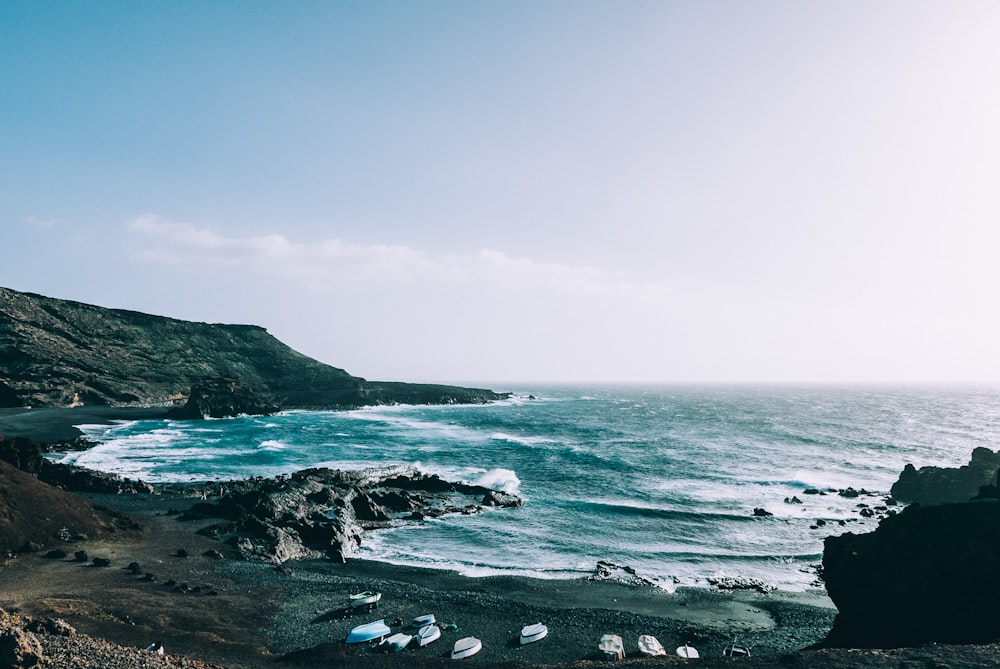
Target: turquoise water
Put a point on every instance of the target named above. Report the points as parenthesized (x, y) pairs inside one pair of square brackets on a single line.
[(663, 479)]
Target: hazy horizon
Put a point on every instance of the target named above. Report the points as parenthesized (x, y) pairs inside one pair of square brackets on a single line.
[(561, 192)]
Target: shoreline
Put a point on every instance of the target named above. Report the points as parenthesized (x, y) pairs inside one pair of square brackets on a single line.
[(53, 425), (253, 615)]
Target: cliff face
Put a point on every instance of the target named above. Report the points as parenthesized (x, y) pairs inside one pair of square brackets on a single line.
[(925, 575), (63, 353)]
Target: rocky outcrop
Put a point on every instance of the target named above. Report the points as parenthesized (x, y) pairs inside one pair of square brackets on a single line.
[(26, 455), (942, 485), (925, 575), (324, 512), (222, 398), (61, 353)]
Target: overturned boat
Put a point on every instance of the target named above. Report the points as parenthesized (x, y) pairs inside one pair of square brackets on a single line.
[(611, 647), (368, 632), (421, 621), (736, 650), (533, 633), (366, 598), (398, 641), (687, 651), (650, 645), (428, 633), (466, 647)]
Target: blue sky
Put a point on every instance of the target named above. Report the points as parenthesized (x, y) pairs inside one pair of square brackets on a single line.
[(522, 191)]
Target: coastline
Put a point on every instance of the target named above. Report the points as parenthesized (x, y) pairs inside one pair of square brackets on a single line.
[(252, 615), (52, 425)]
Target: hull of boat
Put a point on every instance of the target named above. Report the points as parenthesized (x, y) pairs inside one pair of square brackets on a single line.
[(533, 633), (466, 647), (398, 642), (650, 645), (687, 651), (611, 647), (427, 634), (368, 632)]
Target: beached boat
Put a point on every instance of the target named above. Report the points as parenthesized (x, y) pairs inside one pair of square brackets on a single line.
[(367, 598), (532, 633), (428, 633), (466, 647), (398, 641), (687, 651), (736, 650), (368, 632), (420, 621), (611, 647), (650, 645)]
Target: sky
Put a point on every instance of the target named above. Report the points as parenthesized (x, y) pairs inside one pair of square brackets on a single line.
[(516, 191)]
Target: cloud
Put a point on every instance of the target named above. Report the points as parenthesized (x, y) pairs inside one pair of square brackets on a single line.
[(337, 261)]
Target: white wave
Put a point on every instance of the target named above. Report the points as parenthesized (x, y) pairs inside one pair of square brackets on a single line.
[(272, 445), (497, 478), (527, 441)]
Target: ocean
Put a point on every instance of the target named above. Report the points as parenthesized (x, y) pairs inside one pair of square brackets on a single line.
[(662, 479)]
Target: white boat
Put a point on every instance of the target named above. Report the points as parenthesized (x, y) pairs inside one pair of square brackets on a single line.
[(466, 647), (420, 621), (736, 650), (650, 645), (611, 647), (367, 598), (532, 633), (428, 633), (687, 651), (398, 641), (368, 632)]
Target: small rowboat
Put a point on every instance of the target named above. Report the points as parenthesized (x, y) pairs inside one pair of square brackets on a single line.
[(611, 647), (650, 645), (367, 598), (420, 621), (398, 641), (532, 633), (466, 647), (368, 632), (687, 651), (427, 634), (736, 650)]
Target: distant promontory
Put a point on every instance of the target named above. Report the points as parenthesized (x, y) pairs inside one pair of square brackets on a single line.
[(60, 353)]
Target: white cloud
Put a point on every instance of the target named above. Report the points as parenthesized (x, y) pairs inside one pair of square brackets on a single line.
[(336, 261)]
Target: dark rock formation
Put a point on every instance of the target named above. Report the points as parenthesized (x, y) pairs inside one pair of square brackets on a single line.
[(941, 485), (925, 575), (324, 512), (61, 353), (221, 398), (18, 646)]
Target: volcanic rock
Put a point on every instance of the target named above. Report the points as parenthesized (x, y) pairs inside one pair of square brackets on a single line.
[(324, 512), (941, 485), (925, 575)]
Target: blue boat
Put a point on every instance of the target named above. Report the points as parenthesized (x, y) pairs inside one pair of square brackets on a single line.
[(368, 632)]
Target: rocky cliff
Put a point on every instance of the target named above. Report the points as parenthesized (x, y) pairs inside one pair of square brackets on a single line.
[(942, 485), (925, 575), (61, 353)]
